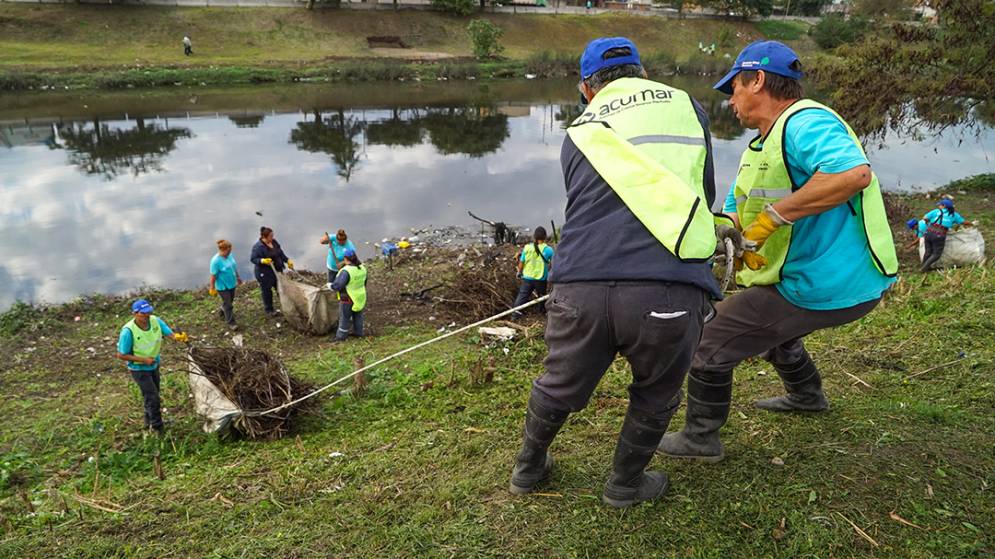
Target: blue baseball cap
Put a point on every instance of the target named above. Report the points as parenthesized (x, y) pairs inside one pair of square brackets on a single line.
[(946, 203), (594, 59), (349, 253), (141, 306), (912, 223), (769, 56)]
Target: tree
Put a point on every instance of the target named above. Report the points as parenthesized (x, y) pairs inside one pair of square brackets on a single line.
[(907, 76), (890, 9), (486, 38), (101, 150), (475, 131), (833, 30), (335, 135), (395, 131), (458, 7), (741, 8), (809, 8)]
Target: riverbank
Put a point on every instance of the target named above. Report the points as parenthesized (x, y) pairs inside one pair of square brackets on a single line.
[(418, 465), (108, 47)]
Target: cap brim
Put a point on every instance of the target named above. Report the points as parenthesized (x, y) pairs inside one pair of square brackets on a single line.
[(725, 84)]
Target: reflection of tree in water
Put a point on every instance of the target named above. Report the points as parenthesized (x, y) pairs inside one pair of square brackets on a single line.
[(470, 130), (723, 123), (100, 150), (566, 114), (395, 131), (334, 135), (247, 121)]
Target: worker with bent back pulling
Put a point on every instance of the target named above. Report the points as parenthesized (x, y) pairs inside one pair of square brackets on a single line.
[(139, 344), (350, 282), (534, 263)]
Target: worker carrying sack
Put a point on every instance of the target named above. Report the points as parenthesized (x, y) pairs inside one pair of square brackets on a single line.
[(963, 247), (308, 308)]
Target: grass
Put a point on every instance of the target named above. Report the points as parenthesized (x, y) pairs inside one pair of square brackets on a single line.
[(87, 46), (783, 30), (426, 453)]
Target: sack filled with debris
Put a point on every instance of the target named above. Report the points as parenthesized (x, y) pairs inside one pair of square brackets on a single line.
[(308, 306), (963, 247), (229, 384)]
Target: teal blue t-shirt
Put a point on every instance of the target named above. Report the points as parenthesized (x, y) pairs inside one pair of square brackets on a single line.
[(945, 218), (829, 263), (547, 251), (224, 270), (126, 342), (339, 252)]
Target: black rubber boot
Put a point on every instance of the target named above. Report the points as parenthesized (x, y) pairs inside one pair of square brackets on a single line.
[(533, 463), (629, 483), (804, 386), (707, 411)]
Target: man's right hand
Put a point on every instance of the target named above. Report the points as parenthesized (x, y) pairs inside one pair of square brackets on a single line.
[(739, 242)]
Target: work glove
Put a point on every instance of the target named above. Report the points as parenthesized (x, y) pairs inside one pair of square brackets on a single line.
[(740, 244), (290, 264), (181, 337), (750, 259), (212, 292), (518, 275), (266, 261), (764, 226)]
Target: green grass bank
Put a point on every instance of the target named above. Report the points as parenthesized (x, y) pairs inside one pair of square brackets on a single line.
[(418, 466), (60, 46)]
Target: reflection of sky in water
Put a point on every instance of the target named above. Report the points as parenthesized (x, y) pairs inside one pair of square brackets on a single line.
[(65, 232)]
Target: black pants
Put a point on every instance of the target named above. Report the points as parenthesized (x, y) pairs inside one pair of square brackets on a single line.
[(187, 50), (934, 250), (148, 383), (655, 325), (525, 291), (267, 283), (227, 304)]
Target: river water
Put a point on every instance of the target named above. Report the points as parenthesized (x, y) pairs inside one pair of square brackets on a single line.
[(104, 192)]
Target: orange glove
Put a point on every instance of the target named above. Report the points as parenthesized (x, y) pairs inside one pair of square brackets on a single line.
[(758, 232), (212, 292)]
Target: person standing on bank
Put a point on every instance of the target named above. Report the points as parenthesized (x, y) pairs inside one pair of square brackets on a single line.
[(269, 259), (336, 252), (534, 263), (806, 196), (224, 280), (938, 222), (187, 46), (351, 286), (139, 344), (632, 273)]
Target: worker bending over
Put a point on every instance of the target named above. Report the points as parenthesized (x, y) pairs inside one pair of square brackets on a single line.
[(351, 285), (631, 273), (806, 197), (534, 263), (139, 344)]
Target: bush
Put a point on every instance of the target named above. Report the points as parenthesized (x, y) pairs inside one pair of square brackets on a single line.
[(552, 64), (16, 318), (485, 36), (833, 31), (458, 7), (727, 36), (782, 30)]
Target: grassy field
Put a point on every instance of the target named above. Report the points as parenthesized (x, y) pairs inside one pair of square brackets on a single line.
[(117, 46), (905, 454)]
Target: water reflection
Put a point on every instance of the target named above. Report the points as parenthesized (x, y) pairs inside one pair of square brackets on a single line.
[(98, 149), (94, 199)]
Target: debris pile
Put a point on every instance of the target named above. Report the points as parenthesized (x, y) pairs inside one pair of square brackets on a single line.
[(484, 283), (248, 381)]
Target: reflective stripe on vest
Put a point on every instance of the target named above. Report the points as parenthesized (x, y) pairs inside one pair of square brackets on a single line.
[(356, 288), (145, 343), (535, 264), (763, 179), (646, 142)]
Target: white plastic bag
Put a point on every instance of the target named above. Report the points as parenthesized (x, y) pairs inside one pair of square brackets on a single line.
[(309, 309), (964, 247)]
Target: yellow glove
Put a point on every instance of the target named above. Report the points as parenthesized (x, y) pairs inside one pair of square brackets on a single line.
[(764, 226), (181, 337), (290, 264), (266, 261), (751, 260), (212, 292)]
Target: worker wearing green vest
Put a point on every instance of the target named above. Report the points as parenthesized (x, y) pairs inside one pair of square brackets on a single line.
[(632, 275), (808, 202), (139, 344), (534, 263), (350, 282)]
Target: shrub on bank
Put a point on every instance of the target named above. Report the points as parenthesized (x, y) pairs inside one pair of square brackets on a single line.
[(551, 64), (833, 31)]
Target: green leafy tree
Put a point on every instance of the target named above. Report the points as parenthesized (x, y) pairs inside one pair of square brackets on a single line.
[(458, 7), (833, 30), (891, 9), (334, 135), (810, 8), (109, 152), (486, 38), (474, 131), (905, 76), (741, 8)]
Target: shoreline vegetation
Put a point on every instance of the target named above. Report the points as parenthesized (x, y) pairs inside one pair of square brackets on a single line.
[(58, 47), (416, 464)]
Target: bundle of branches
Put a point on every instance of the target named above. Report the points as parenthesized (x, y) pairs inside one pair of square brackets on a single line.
[(254, 381), (484, 285)]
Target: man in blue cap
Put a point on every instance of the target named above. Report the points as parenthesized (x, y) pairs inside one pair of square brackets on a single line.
[(350, 283), (140, 344), (805, 196), (639, 183)]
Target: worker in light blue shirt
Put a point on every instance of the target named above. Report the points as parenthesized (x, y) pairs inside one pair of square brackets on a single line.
[(224, 280), (938, 222), (336, 252)]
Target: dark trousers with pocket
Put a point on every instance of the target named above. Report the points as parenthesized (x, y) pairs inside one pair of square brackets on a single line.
[(227, 304), (350, 321), (934, 244), (525, 291), (656, 326), (148, 383), (267, 283)]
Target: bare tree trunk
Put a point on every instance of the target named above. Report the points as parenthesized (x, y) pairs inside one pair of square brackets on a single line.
[(310, 4)]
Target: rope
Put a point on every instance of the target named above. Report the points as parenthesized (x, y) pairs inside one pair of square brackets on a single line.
[(398, 354)]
